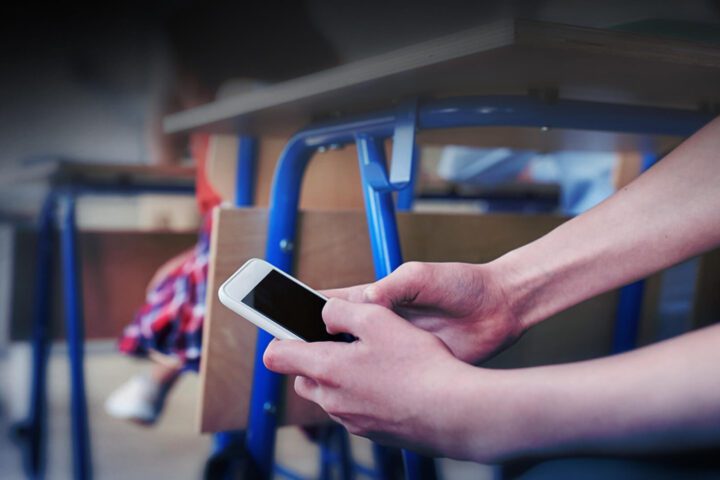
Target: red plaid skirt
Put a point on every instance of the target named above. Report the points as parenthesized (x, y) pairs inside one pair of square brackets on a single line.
[(170, 322)]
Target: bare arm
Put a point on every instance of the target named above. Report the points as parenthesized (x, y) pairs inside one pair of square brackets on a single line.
[(670, 213), (400, 385), (665, 397)]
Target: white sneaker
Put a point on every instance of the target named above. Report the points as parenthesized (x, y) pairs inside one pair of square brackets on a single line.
[(139, 400)]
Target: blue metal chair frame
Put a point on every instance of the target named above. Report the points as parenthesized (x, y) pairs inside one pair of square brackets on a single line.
[(369, 132)]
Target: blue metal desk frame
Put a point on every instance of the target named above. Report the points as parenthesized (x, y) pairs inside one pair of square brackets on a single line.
[(33, 429), (369, 132)]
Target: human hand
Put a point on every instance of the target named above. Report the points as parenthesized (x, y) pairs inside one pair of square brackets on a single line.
[(463, 304), (396, 384)]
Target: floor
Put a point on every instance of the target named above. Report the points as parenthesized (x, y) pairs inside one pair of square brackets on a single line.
[(125, 451)]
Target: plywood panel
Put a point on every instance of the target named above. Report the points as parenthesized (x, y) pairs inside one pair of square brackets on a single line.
[(60, 171), (334, 251)]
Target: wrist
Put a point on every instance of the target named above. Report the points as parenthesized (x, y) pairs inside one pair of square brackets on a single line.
[(520, 413), (521, 283), (496, 410)]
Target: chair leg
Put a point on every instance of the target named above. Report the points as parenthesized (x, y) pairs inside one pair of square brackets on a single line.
[(31, 432), (74, 332)]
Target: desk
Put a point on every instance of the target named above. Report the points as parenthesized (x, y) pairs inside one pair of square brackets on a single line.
[(511, 73), (508, 57), (66, 180), (60, 173)]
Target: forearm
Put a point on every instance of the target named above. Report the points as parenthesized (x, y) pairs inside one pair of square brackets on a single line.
[(663, 397), (670, 213)]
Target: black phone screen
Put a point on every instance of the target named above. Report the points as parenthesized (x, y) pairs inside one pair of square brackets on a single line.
[(293, 307)]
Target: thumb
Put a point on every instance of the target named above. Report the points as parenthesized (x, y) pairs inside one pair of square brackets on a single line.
[(401, 287)]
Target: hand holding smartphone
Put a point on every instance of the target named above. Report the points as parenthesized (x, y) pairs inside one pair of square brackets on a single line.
[(281, 305)]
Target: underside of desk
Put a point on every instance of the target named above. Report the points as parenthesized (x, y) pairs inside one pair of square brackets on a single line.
[(507, 57)]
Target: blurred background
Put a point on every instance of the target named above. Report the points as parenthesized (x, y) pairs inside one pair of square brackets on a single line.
[(83, 90)]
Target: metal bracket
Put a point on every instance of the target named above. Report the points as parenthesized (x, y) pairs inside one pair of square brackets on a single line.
[(403, 150)]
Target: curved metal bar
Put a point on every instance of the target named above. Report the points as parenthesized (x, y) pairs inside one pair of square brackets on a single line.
[(524, 111), (512, 110), (386, 253)]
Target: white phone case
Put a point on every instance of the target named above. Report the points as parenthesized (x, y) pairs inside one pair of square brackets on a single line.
[(242, 282)]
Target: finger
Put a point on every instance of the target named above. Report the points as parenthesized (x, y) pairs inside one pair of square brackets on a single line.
[(341, 316), (307, 388), (295, 357), (401, 287), (358, 319), (351, 294)]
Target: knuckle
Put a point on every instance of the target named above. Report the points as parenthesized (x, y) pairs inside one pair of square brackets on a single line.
[(414, 269), (380, 313), (354, 429), (301, 387), (372, 311), (370, 314), (324, 372), (434, 342), (331, 405), (330, 310)]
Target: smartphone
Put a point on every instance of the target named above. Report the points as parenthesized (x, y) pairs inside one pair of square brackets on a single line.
[(281, 305)]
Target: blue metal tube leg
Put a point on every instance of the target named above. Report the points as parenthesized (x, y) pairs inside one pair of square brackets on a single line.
[(35, 426), (246, 167), (387, 256), (627, 320), (282, 221), (82, 464), (335, 455), (380, 209)]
